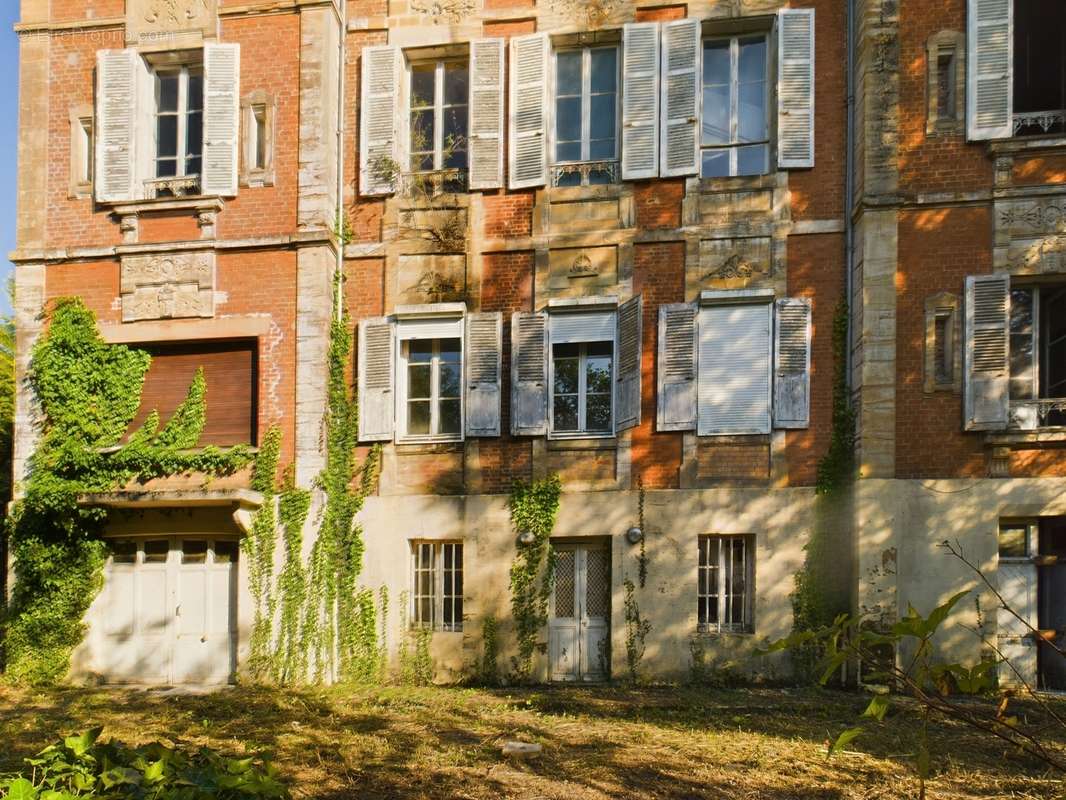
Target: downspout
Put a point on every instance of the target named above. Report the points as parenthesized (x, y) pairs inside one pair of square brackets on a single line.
[(342, 70), (849, 190)]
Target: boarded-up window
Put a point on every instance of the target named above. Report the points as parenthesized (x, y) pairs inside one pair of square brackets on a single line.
[(231, 377)]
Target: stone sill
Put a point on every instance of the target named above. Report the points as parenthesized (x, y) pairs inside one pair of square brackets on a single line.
[(412, 447), (583, 443), (245, 498), (166, 204), (739, 183), (1027, 144), (1021, 438)]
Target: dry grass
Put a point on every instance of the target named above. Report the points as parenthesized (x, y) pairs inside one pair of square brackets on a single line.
[(598, 743)]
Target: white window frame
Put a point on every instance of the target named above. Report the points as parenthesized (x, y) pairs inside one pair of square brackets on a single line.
[(183, 72), (586, 103), (402, 398), (582, 392), (734, 110), (439, 107), (722, 601), (443, 594), (1032, 539), (1041, 346)]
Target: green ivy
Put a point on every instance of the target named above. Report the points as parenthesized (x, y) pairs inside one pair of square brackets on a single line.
[(88, 392), (637, 630), (488, 673), (534, 507), (837, 467)]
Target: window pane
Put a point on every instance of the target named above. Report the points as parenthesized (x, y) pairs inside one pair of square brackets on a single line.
[(1012, 541), (604, 70), (455, 123), (568, 121), (420, 350), (450, 380), (1021, 310), (456, 83), (451, 350), (418, 381), (568, 73), (156, 551), (423, 80), (192, 165), (602, 123), (167, 133), (168, 92), (418, 418), (565, 375), (598, 375), (450, 417), (194, 136), (569, 152), (569, 178), (166, 168), (598, 413), (193, 551), (752, 66), (123, 551), (566, 412), (752, 160), (423, 132), (716, 115), (598, 177), (196, 92), (751, 122), (226, 552), (716, 62)]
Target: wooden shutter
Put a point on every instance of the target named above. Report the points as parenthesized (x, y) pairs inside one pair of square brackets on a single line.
[(530, 57), (987, 395), (792, 364), (529, 374), (989, 67), (116, 114), (680, 140), (486, 114), (484, 347), (630, 351), (377, 394), (640, 101), (379, 157), (677, 367), (222, 75), (734, 370), (795, 88), (230, 373)]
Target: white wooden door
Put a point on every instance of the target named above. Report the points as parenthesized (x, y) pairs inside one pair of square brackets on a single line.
[(1017, 584), (579, 622), (167, 612)]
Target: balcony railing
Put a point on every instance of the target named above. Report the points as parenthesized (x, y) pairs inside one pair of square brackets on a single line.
[(585, 173), (1031, 415), (184, 186), (1034, 123)]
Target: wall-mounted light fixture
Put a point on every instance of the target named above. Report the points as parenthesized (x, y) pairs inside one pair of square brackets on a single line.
[(634, 535), (527, 537)]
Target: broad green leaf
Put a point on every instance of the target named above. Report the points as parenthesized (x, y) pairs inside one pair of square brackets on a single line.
[(844, 739), (878, 708), (21, 789), (936, 619), (154, 771), (80, 744)]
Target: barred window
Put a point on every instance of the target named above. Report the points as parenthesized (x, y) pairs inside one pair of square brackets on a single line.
[(726, 569), (437, 596)]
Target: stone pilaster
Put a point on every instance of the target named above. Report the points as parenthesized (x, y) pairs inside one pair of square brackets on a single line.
[(318, 161), (315, 271)]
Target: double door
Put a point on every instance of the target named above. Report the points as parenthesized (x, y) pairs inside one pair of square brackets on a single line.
[(580, 613), (167, 612)]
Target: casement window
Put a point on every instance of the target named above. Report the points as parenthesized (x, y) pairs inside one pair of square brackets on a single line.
[(735, 129), (726, 581), (439, 112), (1015, 354), (430, 374), (586, 116), (1016, 82), (576, 369), (179, 129), (231, 375), (151, 114), (258, 112), (81, 152), (737, 363), (437, 585)]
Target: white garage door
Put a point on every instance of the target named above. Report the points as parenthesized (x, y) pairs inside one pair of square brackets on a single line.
[(167, 613)]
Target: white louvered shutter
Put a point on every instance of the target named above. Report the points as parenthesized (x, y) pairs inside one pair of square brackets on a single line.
[(989, 67), (377, 382), (379, 156), (680, 129), (734, 370), (529, 374), (486, 114), (795, 88), (987, 395), (630, 350), (116, 113), (530, 58), (640, 101), (484, 348), (677, 367), (222, 92), (792, 364)]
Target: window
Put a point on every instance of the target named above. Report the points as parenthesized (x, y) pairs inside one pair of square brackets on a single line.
[(438, 586), (582, 383), (179, 128), (725, 580), (586, 116), (1038, 351), (942, 353), (433, 405), (1016, 539), (439, 118), (735, 130), (82, 156), (259, 138), (1039, 66), (735, 369), (945, 85)]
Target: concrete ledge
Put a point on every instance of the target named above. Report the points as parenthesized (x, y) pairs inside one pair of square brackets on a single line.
[(245, 498)]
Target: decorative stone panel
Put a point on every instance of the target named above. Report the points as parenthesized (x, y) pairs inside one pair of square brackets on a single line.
[(173, 286), (733, 264), (151, 21), (431, 279), (579, 271), (1031, 235)]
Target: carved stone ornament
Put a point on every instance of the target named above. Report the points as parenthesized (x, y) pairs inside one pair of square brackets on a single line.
[(583, 268), (443, 11), (1039, 217), (433, 285), (168, 286), (151, 18), (734, 263)]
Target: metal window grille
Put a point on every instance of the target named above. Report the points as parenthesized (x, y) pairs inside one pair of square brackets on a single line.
[(724, 591), (437, 593)]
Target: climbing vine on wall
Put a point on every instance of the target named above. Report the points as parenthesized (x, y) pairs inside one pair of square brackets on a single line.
[(534, 507), (837, 467), (88, 393)]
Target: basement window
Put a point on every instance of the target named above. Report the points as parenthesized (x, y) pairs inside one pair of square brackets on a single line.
[(726, 577), (437, 590), (1039, 67)]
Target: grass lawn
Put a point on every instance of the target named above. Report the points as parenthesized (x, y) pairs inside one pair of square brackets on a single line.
[(598, 742)]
